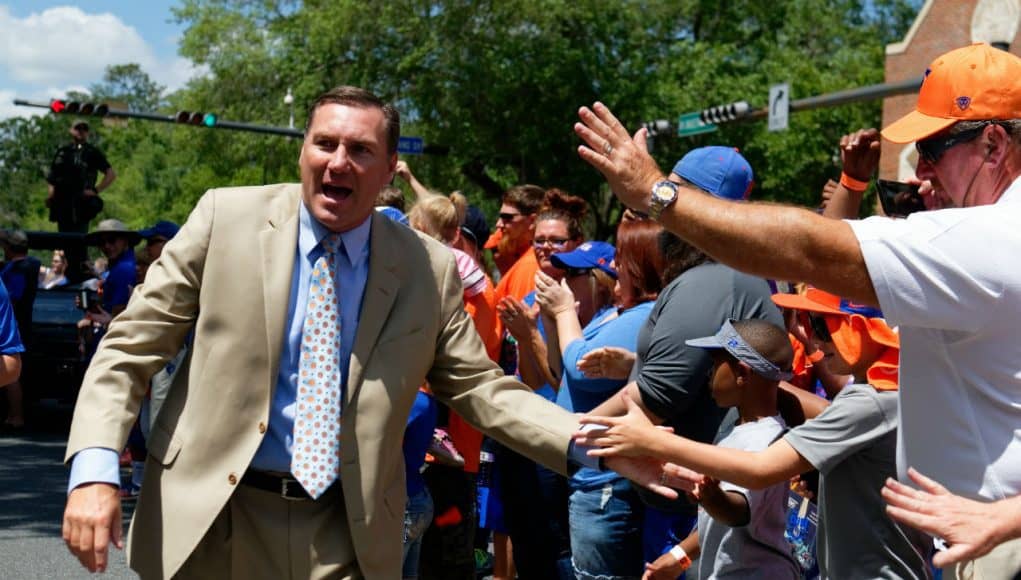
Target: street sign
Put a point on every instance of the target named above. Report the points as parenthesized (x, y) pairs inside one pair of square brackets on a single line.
[(410, 145), (690, 124), (779, 106)]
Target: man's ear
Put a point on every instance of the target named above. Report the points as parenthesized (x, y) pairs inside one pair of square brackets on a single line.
[(997, 143)]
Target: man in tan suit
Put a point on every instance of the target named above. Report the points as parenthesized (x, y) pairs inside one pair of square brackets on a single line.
[(219, 498)]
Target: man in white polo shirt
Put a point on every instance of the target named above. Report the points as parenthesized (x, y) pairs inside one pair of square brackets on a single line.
[(949, 279)]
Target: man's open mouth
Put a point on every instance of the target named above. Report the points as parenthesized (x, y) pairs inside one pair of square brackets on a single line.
[(336, 191)]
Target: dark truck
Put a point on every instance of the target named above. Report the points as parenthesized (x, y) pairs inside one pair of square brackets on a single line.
[(52, 366)]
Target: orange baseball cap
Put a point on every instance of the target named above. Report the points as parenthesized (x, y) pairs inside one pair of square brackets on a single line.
[(974, 83), (816, 300)]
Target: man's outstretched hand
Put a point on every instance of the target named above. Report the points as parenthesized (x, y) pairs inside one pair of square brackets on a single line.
[(92, 521)]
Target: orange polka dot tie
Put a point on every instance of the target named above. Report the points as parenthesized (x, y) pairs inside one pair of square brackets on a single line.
[(315, 457)]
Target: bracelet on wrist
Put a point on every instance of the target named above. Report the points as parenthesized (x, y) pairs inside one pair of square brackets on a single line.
[(852, 183), (681, 556)]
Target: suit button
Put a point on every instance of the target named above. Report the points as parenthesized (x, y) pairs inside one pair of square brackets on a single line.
[(232, 479), (262, 427)]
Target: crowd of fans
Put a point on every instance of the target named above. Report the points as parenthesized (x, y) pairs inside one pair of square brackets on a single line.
[(653, 331), (765, 380)]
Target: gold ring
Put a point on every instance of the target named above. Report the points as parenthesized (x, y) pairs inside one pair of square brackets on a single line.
[(607, 149)]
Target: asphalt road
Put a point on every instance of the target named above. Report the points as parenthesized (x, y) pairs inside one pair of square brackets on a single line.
[(33, 484)]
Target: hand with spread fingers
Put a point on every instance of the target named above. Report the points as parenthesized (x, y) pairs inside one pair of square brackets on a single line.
[(607, 362), (630, 435), (623, 159), (971, 528), (644, 471)]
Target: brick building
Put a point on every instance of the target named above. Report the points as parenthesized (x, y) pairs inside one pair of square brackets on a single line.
[(941, 26)]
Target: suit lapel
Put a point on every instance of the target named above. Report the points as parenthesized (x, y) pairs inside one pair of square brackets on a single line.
[(380, 292), (278, 243)]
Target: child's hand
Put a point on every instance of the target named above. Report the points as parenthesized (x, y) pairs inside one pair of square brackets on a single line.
[(631, 435), (666, 567), (708, 488)]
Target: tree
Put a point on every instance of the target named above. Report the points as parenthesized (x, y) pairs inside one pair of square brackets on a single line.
[(500, 82), (129, 84)]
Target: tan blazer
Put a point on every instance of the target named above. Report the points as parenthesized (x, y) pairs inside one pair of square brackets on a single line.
[(227, 274)]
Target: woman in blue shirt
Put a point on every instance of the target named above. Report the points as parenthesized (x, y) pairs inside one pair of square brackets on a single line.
[(605, 513)]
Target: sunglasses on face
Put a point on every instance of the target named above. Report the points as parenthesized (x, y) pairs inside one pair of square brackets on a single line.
[(508, 217), (555, 243), (575, 272), (819, 328), (933, 148)]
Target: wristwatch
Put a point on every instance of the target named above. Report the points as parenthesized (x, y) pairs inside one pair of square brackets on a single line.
[(664, 193)]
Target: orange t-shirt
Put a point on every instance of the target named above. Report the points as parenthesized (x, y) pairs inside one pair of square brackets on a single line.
[(520, 279)]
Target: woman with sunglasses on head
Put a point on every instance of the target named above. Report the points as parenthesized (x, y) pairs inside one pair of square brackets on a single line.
[(605, 513)]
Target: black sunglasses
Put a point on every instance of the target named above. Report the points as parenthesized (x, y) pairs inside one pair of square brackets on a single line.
[(819, 328), (933, 148), (508, 217), (575, 272)]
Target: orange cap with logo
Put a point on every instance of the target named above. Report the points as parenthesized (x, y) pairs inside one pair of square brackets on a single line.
[(974, 83)]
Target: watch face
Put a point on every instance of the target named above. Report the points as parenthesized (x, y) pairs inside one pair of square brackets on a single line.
[(664, 192)]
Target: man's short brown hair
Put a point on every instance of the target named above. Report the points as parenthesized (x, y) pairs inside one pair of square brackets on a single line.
[(356, 97)]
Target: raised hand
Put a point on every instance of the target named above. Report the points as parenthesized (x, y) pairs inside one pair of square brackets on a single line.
[(623, 159)]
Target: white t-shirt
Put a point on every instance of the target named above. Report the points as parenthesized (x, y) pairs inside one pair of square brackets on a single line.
[(759, 549), (951, 280)]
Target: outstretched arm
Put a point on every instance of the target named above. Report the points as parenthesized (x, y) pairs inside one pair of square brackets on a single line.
[(634, 435), (771, 241)]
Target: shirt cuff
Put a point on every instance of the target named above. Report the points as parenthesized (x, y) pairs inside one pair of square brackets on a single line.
[(578, 453), (95, 465)]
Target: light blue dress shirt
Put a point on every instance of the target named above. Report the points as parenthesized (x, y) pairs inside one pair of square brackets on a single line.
[(352, 263), (98, 464)]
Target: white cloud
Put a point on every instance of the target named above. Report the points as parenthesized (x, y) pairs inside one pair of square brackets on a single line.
[(176, 73), (64, 43), (45, 54), (8, 109)]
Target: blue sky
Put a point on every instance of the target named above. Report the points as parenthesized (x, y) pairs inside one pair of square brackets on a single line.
[(49, 47)]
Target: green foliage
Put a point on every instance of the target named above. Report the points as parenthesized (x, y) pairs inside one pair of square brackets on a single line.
[(499, 82)]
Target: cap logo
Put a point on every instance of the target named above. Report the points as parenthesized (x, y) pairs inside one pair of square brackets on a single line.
[(963, 102), (733, 343)]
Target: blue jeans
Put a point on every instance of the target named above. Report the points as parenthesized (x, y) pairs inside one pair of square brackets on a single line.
[(606, 530), (417, 516)]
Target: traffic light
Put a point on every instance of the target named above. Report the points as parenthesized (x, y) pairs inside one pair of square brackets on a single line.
[(196, 118), (657, 127), (60, 106), (725, 113)]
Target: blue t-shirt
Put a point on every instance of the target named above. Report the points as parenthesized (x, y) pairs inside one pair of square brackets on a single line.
[(546, 391), (10, 340), (119, 281), (581, 394), (417, 437)]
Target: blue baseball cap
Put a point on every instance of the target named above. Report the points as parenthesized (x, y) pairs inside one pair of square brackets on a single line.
[(721, 171), (588, 256), (393, 213), (161, 229)]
